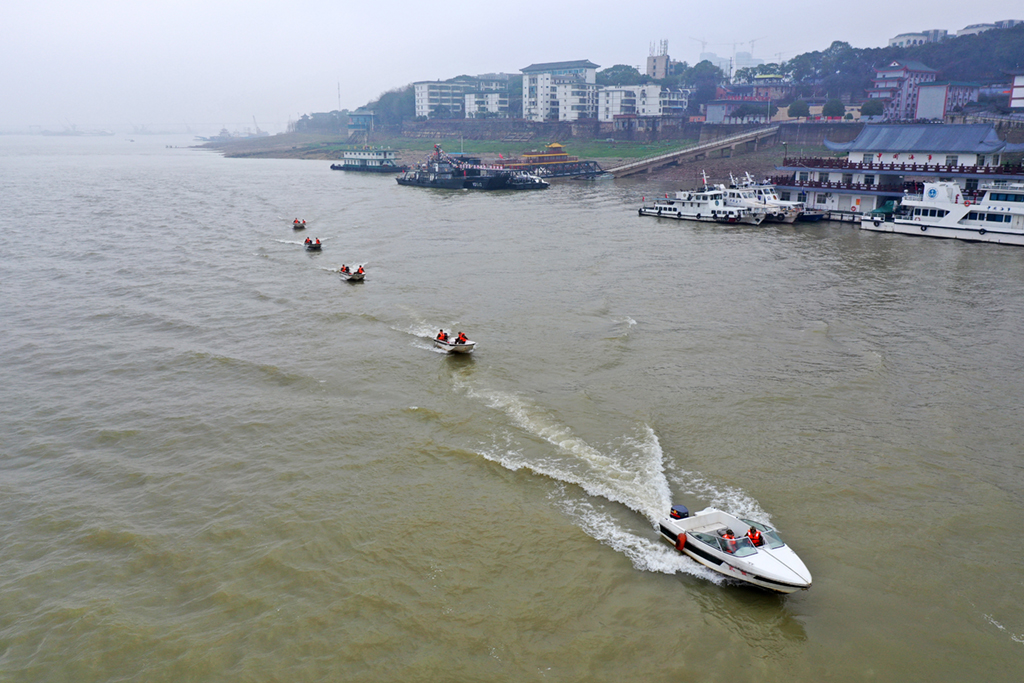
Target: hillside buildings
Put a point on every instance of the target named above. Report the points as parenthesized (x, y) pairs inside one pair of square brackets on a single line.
[(934, 35), (937, 35), (897, 86)]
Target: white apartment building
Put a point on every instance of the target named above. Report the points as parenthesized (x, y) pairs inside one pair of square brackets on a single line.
[(450, 96), (487, 104), (560, 91), (934, 35), (640, 100)]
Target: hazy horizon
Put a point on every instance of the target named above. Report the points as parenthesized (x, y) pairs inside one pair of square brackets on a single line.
[(200, 67)]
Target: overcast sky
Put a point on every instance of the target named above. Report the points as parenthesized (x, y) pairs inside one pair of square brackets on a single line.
[(115, 64)]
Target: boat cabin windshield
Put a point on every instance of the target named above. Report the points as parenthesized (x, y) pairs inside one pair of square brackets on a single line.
[(771, 536), (740, 547)]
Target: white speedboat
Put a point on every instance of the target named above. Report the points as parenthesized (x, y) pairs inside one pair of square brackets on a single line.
[(720, 542), (941, 211), (454, 346)]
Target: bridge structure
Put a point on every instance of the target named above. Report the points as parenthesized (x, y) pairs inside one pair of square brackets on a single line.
[(695, 153)]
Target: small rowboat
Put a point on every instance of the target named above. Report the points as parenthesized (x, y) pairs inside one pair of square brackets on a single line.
[(313, 246), (352, 276), (453, 346)]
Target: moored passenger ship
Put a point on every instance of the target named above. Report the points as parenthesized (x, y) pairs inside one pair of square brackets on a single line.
[(941, 211)]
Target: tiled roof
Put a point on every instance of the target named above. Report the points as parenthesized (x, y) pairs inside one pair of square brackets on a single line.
[(980, 138), (556, 66)]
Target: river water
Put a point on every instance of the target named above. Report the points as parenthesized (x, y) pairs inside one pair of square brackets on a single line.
[(221, 462)]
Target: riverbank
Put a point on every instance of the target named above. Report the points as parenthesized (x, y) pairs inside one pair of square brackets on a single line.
[(759, 163)]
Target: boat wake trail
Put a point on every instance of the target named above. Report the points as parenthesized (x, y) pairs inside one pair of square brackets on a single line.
[(631, 474)]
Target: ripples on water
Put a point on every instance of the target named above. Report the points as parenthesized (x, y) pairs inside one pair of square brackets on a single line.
[(221, 461)]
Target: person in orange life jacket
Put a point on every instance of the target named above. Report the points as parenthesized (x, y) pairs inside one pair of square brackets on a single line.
[(303, 221), (461, 339), (318, 240), (755, 536), (360, 270), (309, 241), (441, 336), (344, 268)]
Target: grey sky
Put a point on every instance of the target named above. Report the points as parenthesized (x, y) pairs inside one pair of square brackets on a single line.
[(116, 63)]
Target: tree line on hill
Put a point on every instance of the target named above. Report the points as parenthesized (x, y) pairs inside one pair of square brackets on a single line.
[(839, 72)]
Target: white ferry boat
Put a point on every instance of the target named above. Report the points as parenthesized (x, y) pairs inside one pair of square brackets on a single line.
[(707, 204), (369, 161), (941, 211), (779, 210)]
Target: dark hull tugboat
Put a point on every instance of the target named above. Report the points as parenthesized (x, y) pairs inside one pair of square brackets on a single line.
[(444, 171)]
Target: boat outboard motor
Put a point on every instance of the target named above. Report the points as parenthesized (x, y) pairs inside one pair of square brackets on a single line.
[(679, 512)]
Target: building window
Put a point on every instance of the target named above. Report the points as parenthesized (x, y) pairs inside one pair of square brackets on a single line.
[(802, 197), (803, 176), (869, 180), (952, 160), (823, 177), (981, 160), (868, 158), (784, 195), (847, 178), (971, 184)]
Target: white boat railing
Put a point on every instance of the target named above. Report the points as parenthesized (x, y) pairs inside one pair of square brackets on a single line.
[(1001, 185)]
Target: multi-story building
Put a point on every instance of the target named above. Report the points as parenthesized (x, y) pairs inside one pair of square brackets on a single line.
[(448, 98), (560, 91), (935, 100), (1017, 89), (885, 161), (919, 38), (658, 66), (641, 100), (897, 86), (487, 104)]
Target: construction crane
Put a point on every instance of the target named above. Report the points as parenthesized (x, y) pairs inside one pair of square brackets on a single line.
[(258, 131), (754, 41), (703, 43)]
